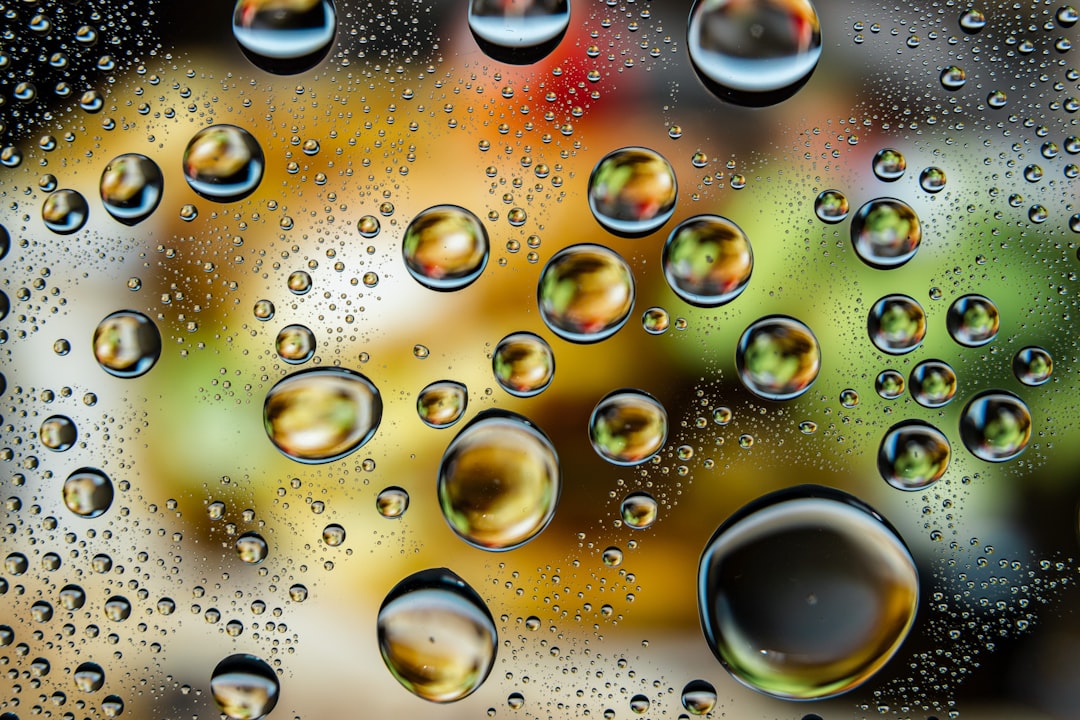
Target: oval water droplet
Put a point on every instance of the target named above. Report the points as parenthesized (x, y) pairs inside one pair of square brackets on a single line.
[(321, 414), (632, 191), (627, 427), (995, 426), (499, 481), (88, 492), (284, 36), (244, 687), (806, 593), (639, 510), (973, 320), (585, 293), (127, 344), (223, 163), (131, 187), (754, 53), (885, 233), (445, 248), (933, 383), (392, 502), (913, 455), (436, 636), (442, 403), (58, 433), (295, 344), (1033, 366), (778, 358), (523, 363), (896, 324), (65, 211), (707, 260), (518, 33), (831, 206)]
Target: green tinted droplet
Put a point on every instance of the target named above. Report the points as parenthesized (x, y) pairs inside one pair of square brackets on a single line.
[(627, 427), (896, 324), (1032, 366), (889, 384), (831, 206), (933, 383), (656, 321), (126, 344), (932, 179), (707, 260), (585, 293), (913, 455), (445, 248), (436, 636), (806, 593), (995, 426), (442, 403), (523, 363), (223, 163), (778, 358), (88, 492), (973, 320), (889, 164), (244, 687), (639, 510), (885, 233), (632, 191)]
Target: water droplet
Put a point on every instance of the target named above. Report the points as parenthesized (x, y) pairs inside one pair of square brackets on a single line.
[(368, 226), (808, 427), (708, 260), (885, 233), (778, 358), (295, 344), (612, 556), (89, 677), (849, 398), (117, 608), (913, 455), (499, 481), (392, 502), (127, 344), (639, 704), (319, 415), (442, 403), (997, 99), (445, 248), (1067, 16), (627, 427), (16, 563), (953, 78), (932, 179), (65, 211), (754, 53), (896, 324), (251, 548), (437, 636), (889, 384), (244, 687), (889, 165), (995, 426), (131, 187), (972, 320), (1032, 366), (284, 36), (112, 706), (298, 593), (333, 535), (523, 364), (831, 206), (223, 163), (933, 383), (519, 33), (632, 191), (698, 697), (972, 21), (639, 510), (585, 293), (88, 492), (58, 433), (656, 321), (72, 597), (806, 593)]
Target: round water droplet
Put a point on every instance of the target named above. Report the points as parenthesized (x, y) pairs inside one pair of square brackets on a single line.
[(126, 344), (88, 492), (973, 320), (72, 597), (442, 403), (627, 427), (436, 636), (997, 99), (933, 383), (112, 706), (499, 481), (972, 21), (58, 433), (995, 426), (518, 33), (889, 164), (319, 415), (515, 701), (299, 282), (632, 191), (244, 687), (754, 53), (953, 78), (831, 206), (251, 548), (896, 324), (885, 233), (585, 293), (639, 704), (913, 455), (932, 179), (368, 226), (392, 502), (65, 211), (117, 608), (295, 344), (707, 260), (264, 310), (806, 593), (223, 163), (333, 535), (284, 36), (656, 321), (698, 697), (612, 556), (1032, 366), (639, 510), (889, 384), (89, 677), (523, 364), (778, 358), (131, 187), (16, 563), (445, 248)]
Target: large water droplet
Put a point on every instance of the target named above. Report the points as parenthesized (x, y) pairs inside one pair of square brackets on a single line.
[(639, 510), (523, 363), (284, 36), (995, 426), (127, 344), (632, 191), (933, 383), (244, 687), (437, 636), (131, 187), (88, 492), (251, 548), (754, 52), (973, 320), (58, 433), (321, 414), (65, 211), (499, 481), (445, 247), (223, 163), (698, 697), (89, 677), (627, 427), (831, 206), (295, 344), (896, 324), (913, 455), (708, 260), (953, 78), (518, 32), (442, 403), (585, 293), (806, 593), (885, 233), (778, 358), (1033, 366)]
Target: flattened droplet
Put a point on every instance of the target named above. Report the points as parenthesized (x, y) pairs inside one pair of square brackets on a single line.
[(244, 687)]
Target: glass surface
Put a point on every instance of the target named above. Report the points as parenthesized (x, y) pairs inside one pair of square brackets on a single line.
[(230, 382)]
